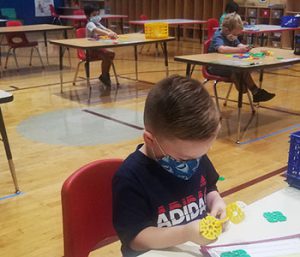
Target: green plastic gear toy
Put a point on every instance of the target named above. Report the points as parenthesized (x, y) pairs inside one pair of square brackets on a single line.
[(275, 216), (236, 253), (210, 227), (235, 213)]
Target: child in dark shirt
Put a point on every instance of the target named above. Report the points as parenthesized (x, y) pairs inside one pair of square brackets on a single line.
[(225, 40), (168, 184), (231, 7)]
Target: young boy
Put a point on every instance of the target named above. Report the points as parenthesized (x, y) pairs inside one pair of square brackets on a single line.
[(225, 41), (94, 29), (231, 7), (168, 184)]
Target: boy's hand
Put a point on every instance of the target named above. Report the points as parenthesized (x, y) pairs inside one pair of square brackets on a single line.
[(112, 35), (244, 48), (218, 209), (192, 233)]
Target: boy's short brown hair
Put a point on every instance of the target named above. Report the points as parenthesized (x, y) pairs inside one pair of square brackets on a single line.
[(232, 21), (177, 107)]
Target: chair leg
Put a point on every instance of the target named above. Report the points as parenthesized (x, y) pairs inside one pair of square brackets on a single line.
[(115, 73), (15, 57), (76, 73), (228, 94), (250, 101), (204, 82), (31, 52), (216, 95), (7, 56), (39, 54)]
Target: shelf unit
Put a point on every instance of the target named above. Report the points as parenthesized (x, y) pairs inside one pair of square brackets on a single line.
[(163, 9)]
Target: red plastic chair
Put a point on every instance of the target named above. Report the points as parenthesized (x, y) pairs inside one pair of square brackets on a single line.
[(212, 24), (55, 16), (87, 208), (79, 24), (19, 40), (81, 33), (218, 79)]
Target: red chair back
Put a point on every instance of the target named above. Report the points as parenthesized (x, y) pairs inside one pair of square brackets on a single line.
[(13, 23), (78, 12), (52, 10), (81, 33), (205, 73), (18, 38), (143, 17), (211, 25), (79, 24), (87, 208)]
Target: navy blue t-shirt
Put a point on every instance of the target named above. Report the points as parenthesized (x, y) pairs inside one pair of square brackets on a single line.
[(144, 194), (220, 40)]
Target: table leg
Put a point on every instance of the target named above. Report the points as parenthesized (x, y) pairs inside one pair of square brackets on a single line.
[(188, 70), (8, 152), (165, 49), (240, 104), (136, 64), (201, 36), (61, 57), (122, 25), (46, 46), (66, 37), (87, 72), (293, 39), (262, 39), (178, 32)]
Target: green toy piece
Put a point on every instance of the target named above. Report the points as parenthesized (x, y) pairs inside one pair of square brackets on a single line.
[(258, 55), (236, 253), (280, 58), (221, 178), (274, 217)]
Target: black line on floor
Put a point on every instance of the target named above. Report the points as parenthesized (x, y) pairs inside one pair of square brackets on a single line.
[(113, 119)]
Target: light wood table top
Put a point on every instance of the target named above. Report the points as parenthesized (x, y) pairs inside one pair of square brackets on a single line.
[(169, 21), (33, 28), (123, 40), (279, 57), (83, 17), (264, 28)]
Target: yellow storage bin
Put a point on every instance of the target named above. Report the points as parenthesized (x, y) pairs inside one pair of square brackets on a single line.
[(156, 30)]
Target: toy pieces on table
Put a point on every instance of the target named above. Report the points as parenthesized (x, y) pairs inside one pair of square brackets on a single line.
[(243, 56), (236, 253), (235, 213), (210, 227), (275, 216), (267, 52)]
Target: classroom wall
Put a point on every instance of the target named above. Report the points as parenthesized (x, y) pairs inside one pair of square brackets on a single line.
[(26, 12)]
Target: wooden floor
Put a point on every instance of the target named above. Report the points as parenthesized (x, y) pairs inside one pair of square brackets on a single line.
[(31, 223)]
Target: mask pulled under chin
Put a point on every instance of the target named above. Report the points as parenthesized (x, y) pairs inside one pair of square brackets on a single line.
[(231, 37), (181, 169), (95, 19)]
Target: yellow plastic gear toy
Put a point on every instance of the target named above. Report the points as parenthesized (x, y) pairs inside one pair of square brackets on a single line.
[(210, 227), (235, 213)]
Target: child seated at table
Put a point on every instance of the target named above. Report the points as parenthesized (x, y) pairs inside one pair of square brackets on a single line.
[(225, 40), (168, 184), (94, 29)]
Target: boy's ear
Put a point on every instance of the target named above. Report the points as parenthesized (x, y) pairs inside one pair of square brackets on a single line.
[(148, 138)]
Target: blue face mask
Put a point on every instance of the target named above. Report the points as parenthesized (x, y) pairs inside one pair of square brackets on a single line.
[(95, 19), (181, 169)]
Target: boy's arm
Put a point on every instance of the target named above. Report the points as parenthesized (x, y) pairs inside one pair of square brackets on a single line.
[(241, 48), (105, 32), (158, 238)]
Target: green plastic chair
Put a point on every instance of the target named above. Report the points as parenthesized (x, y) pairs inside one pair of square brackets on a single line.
[(9, 13)]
